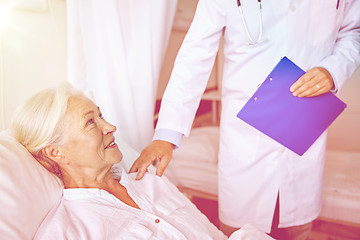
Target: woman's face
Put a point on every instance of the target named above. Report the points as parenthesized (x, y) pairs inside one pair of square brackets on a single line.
[(89, 140)]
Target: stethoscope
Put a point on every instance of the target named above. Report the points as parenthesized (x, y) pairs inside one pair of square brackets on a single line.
[(252, 42)]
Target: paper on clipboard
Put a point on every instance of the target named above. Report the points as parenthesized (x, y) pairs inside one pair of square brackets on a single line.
[(294, 122)]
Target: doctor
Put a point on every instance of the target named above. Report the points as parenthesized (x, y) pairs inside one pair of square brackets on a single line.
[(260, 181)]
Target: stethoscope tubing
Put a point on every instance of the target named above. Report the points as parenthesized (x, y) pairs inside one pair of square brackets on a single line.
[(252, 41)]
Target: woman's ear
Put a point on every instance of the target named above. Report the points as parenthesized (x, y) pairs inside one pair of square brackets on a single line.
[(54, 154)]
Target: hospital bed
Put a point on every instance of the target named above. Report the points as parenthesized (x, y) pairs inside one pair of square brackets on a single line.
[(28, 191), (193, 169)]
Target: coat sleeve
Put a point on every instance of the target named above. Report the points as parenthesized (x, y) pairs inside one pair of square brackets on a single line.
[(192, 67), (345, 57)]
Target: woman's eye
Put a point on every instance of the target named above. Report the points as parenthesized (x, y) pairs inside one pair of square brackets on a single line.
[(101, 116), (90, 121)]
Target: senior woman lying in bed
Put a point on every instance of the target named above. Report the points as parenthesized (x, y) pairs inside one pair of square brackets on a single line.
[(66, 133)]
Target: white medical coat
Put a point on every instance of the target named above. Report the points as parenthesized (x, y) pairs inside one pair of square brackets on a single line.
[(252, 167)]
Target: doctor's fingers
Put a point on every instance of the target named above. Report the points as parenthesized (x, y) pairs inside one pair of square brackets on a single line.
[(147, 156), (304, 84), (158, 150), (164, 162), (141, 172), (160, 160), (140, 166), (315, 82)]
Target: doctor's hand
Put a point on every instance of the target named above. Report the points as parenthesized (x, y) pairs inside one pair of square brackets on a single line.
[(158, 150), (314, 82)]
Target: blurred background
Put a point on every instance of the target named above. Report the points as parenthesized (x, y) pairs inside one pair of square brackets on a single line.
[(36, 52), (33, 56)]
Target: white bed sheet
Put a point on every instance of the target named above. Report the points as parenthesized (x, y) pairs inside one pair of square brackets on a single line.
[(341, 192), (194, 163), (194, 170)]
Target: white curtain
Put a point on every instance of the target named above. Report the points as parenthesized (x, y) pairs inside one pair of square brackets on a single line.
[(115, 53)]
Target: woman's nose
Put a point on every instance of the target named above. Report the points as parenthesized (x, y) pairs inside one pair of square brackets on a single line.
[(108, 128)]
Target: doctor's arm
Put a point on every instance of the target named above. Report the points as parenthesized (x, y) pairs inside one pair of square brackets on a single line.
[(333, 71)]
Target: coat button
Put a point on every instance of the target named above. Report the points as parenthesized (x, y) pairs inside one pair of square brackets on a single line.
[(157, 220)]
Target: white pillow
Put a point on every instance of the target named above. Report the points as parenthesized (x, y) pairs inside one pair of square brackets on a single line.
[(27, 190), (202, 145)]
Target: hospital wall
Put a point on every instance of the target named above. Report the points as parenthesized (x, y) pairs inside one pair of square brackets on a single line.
[(33, 57), (32, 50), (344, 133)]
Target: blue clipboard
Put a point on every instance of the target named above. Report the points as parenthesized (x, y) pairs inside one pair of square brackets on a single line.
[(294, 122)]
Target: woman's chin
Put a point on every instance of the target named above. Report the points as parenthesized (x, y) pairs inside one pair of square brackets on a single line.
[(118, 157), (113, 156)]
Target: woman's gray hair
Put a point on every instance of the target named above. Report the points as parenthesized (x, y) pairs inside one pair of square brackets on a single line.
[(40, 122)]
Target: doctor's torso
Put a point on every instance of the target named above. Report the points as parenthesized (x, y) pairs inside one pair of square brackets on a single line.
[(305, 31)]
